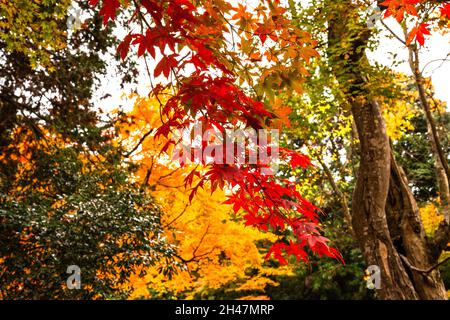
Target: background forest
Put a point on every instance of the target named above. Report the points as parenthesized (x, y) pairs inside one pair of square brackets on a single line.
[(85, 178)]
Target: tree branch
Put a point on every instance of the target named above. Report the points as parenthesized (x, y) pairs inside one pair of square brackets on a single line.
[(440, 239), (426, 271), (138, 144)]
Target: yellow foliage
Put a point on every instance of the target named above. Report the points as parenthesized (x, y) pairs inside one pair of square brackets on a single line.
[(255, 298), (33, 28), (216, 249), (431, 218), (398, 118), (258, 282)]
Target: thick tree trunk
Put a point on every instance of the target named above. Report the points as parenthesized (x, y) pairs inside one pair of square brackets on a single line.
[(369, 201), (385, 215), (409, 238)]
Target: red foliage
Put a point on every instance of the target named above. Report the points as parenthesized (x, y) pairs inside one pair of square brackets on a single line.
[(400, 8), (210, 94), (108, 10), (418, 33), (445, 11)]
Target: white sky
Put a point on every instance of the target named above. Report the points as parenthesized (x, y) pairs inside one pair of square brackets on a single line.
[(437, 47)]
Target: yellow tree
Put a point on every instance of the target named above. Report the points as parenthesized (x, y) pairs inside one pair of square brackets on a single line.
[(213, 245)]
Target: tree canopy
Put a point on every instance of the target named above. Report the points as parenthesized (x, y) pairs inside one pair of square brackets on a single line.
[(257, 151)]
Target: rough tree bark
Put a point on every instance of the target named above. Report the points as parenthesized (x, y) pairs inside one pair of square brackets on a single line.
[(408, 236), (369, 200), (385, 215)]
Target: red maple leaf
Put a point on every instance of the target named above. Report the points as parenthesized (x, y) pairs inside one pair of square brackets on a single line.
[(445, 11), (165, 65), (124, 46), (398, 8), (296, 159), (277, 251), (418, 33), (108, 10)]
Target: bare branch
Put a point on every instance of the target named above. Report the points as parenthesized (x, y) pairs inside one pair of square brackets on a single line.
[(426, 271)]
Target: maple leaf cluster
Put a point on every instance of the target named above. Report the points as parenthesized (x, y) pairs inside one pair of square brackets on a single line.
[(399, 9), (195, 44)]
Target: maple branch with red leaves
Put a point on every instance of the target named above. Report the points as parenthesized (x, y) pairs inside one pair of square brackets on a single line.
[(210, 94)]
